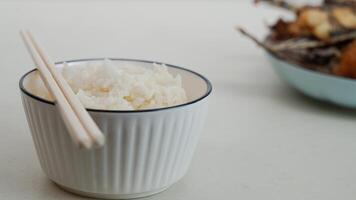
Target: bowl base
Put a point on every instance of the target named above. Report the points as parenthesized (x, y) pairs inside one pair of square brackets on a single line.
[(111, 196)]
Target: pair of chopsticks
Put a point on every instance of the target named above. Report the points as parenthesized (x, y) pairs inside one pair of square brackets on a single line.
[(80, 125)]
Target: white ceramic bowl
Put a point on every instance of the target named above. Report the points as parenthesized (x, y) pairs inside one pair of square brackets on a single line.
[(145, 152)]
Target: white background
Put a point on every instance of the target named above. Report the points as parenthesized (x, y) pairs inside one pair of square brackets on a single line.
[(262, 140)]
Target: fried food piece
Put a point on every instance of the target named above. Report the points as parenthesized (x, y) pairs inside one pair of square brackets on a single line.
[(347, 64), (315, 21), (345, 17), (310, 21), (322, 31)]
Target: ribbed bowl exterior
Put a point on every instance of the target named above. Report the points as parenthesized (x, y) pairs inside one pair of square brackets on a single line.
[(144, 152)]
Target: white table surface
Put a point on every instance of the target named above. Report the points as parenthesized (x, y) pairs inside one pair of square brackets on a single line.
[(262, 139)]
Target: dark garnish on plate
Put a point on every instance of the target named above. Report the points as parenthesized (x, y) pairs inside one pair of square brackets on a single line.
[(321, 38)]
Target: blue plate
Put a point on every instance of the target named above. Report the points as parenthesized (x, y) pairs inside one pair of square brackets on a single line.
[(325, 87)]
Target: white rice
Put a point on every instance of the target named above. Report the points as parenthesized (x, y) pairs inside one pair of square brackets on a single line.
[(106, 85)]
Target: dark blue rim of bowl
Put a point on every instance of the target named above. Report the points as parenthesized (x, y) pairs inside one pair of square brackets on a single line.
[(207, 93)]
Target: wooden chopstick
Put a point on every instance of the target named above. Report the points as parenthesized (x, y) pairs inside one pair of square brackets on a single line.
[(81, 126), (75, 127), (88, 123)]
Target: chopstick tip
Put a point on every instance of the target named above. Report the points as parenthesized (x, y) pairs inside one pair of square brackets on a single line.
[(100, 140), (85, 143)]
